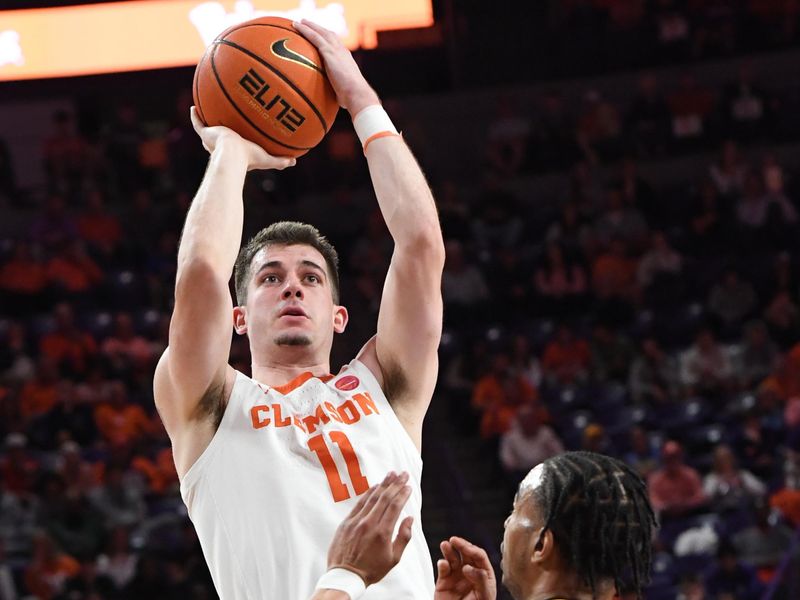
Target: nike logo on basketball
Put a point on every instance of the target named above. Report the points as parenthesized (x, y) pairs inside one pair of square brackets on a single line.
[(279, 49)]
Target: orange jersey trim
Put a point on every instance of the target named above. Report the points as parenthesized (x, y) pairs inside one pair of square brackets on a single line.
[(298, 381)]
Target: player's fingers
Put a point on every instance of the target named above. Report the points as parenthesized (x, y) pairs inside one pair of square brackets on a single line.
[(362, 500), (471, 553), (308, 32), (450, 555), (442, 569), (481, 579), (325, 33), (373, 500), (403, 537), (197, 122), (396, 497), (281, 163), (386, 497)]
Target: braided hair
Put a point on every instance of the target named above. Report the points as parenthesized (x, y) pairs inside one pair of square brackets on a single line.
[(598, 510)]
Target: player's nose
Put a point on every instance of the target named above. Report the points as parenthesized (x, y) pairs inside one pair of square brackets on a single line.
[(293, 288)]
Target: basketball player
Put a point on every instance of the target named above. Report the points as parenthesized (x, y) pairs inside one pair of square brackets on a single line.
[(270, 465), (581, 522)]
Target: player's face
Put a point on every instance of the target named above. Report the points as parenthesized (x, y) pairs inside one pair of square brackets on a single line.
[(290, 298), (522, 530)]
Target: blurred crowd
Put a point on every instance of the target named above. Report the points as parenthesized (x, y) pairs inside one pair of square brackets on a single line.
[(657, 323)]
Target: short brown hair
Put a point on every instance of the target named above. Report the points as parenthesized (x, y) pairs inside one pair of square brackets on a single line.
[(285, 233)]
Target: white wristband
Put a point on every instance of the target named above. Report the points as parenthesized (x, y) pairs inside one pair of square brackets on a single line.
[(344, 581), (372, 122)]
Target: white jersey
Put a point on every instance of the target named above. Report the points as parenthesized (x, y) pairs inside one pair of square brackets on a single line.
[(284, 469)]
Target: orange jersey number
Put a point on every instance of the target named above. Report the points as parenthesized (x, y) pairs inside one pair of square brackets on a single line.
[(339, 490)]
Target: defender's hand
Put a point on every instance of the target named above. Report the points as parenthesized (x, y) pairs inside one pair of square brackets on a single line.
[(363, 542), (256, 156), (352, 90), (464, 573)]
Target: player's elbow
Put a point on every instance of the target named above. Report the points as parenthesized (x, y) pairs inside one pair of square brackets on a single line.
[(426, 245)]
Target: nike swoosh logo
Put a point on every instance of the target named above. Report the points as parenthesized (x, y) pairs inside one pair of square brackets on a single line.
[(279, 49)]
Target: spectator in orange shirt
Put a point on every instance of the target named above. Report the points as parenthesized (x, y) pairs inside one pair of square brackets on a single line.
[(23, 281), (67, 345), (159, 471), (98, 227), (66, 155), (566, 358), (72, 270), (39, 395), (49, 568), (121, 423), (125, 348), (614, 274), (499, 395)]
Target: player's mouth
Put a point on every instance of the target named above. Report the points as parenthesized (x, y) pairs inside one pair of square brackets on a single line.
[(293, 312)]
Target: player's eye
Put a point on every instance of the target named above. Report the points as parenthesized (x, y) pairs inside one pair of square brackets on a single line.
[(312, 278), (271, 279)]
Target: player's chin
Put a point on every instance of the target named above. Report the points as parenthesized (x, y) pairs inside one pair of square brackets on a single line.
[(293, 338)]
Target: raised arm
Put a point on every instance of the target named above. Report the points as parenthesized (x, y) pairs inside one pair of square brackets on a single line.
[(191, 374), (404, 353)]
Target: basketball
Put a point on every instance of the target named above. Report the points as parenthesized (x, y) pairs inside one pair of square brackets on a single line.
[(267, 82)]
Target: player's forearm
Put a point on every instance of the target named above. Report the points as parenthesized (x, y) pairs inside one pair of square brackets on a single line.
[(404, 196), (213, 228)]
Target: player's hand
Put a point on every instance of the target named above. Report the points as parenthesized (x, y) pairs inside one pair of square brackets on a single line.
[(464, 573), (352, 90), (256, 156), (363, 542)]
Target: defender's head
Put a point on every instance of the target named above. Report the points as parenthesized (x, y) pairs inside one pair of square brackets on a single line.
[(287, 289), (581, 523)]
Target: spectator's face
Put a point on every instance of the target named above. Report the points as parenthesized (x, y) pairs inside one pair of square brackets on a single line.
[(565, 335), (530, 422), (554, 254), (638, 440), (47, 370), (124, 325), (730, 154), (614, 200), (521, 345), (672, 463), (660, 242), (752, 187), (705, 341), (723, 460), (757, 337), (727, 562), (731, 279), (651, 349), (501, 364), (617, 248), (65, 318)]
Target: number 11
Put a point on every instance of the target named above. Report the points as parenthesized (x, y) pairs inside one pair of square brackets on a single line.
[(339, 490)]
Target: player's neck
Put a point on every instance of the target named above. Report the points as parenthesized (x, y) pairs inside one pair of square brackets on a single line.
[(555, 586), (275, 373)]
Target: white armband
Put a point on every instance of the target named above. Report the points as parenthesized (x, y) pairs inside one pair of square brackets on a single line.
[(372, 123), (344, 581)]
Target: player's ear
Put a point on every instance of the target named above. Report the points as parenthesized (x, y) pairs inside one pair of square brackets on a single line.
[(340, 319), (544, 545), (240, 319)]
